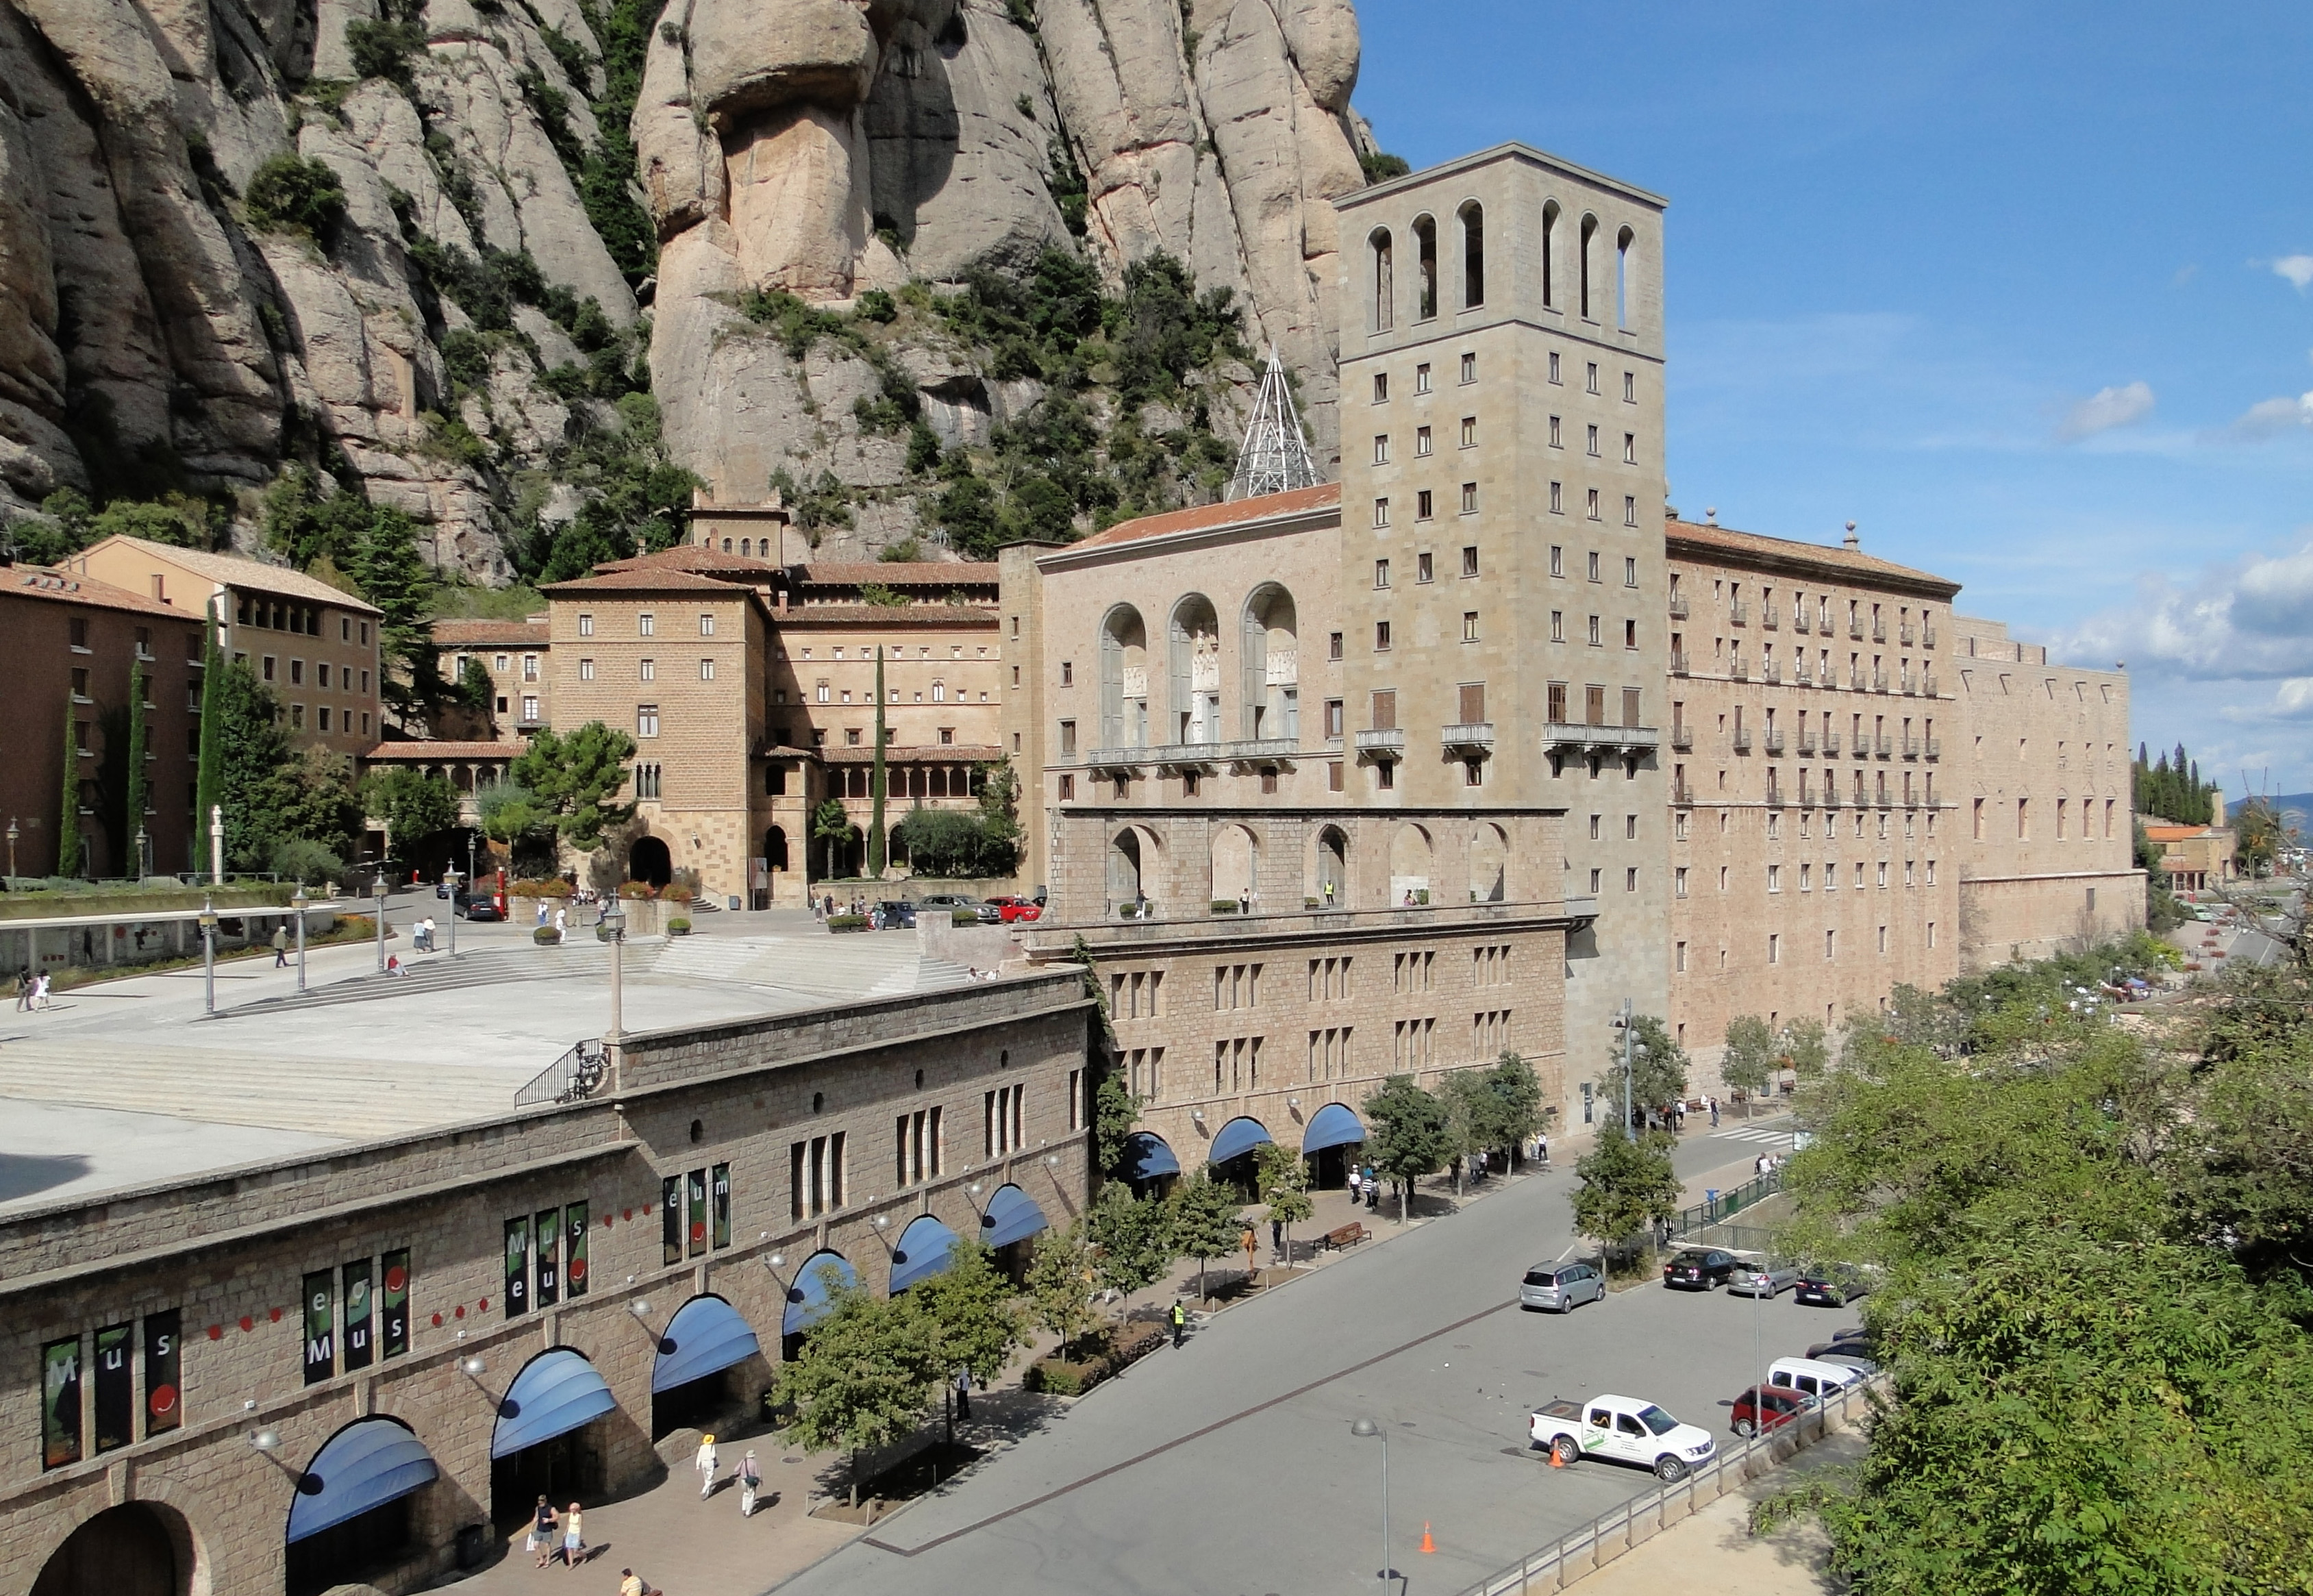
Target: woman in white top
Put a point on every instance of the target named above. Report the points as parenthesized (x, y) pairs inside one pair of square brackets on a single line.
[(706, 1466)]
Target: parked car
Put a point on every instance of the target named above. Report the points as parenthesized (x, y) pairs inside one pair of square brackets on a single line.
[(481, 910), (1749, 1279), (1769, 1407), (1811, 1377), (1699, 1268), (1561, 1287), (1621, 1430), (1012, 910), (986, 913), (1835, 1287), (896, 914), (1855, 1339)]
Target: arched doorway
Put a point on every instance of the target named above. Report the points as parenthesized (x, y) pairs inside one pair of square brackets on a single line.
[(703, 1354), (811, 1298), (1237, 869), (351, 1516), (1409, 866), (1329, 874), (548, 1439), (1123, 680), (1127, 865), (1193, 706), (131, 1550), (1269, 666), (1489, 864), (775, 848), (1233, 1151), (649, 861)]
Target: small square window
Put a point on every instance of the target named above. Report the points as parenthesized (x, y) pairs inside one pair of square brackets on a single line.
[(1381, 573), (1423, 568), (1067, 673), (707, 626), (1421, 378), (646, 624), (585, 670), (1386, 775), (707, 670), (1332, 645), (646, 720), (1381, 635), (1067, 788), (1381, 512), (1470, 560), (586, 626), (1468, 368), (1424, 505), (1469, 432), (1381, 448), (1469, 626), (1469, 498), (1381, 386)]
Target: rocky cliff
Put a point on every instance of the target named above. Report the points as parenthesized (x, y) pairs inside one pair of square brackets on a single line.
[(405, 245)]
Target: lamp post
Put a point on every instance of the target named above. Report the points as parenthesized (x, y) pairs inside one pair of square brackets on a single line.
[(216, 844), (378, 890), (614, 921), (208, 955), (1366, 1429), (298, 902), (12, 845), (144, 853)]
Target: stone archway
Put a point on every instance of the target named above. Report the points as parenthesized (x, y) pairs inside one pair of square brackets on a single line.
[(131, 1550), (650, 861)]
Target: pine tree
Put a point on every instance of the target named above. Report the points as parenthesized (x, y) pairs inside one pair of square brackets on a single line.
[(68, 800)]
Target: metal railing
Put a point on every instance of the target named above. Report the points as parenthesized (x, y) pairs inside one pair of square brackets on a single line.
[(577, 1075), (1928, 685), (1771, 671), (1729, 1203), (1679, 609), (1904, 633), (1831, 745), (1382, 740), (1740, 612), (1854, 632), (1878, 629), (1770, 617), (1742, 739), (1681, 793), (1802, 671), (1807, 744), (1737, 670), (1883, 747), (1682, 737), (1678, 662), (1927, 634), (1935, 748), (1475, 733), (1878, 681), (1616, 1531), (1775, 742), (1799, 620)]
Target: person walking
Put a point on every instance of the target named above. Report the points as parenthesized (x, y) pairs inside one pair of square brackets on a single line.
[(963, 1393), (40, 990), (24, 988), (1275, 1236), (574, 1539), (540, 1539), (1714, 1114), (561, 920), (542, 911), (705, 1463), (280, 947), (1179, 1325), (751, 1479), (1353, 1186)]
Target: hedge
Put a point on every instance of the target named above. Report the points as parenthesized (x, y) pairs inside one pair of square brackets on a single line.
[(1121, 1347), (546, 935), (847, 922), (678, 927)]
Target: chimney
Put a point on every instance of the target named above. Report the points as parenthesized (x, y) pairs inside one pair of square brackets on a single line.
[(1852, 542)]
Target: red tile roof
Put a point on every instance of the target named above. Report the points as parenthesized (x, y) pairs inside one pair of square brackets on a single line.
[(638, 578), (37, 581), (419, 750), (1324, 495), (231, 571), (804, 617), (476, 634), (920, 754), (910, 573), (1705, 542), (693, 557)]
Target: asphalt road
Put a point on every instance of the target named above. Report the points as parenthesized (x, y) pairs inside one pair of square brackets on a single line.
[(1229, 1466)]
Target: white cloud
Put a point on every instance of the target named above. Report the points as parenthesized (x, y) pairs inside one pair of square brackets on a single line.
[(2297, 268), (2251, 619), (2104, 409), (2270, 418), (2293, 700)]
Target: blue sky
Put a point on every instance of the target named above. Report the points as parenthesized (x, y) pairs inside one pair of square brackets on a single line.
[(2026, 291)]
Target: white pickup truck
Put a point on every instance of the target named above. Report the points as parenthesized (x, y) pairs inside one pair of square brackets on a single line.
[(1623, 1429)]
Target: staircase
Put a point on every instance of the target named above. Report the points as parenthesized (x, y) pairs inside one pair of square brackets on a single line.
[(587, 959), (864, 964)]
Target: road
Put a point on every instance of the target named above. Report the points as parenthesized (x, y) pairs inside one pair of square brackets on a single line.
[(1229, 1466)]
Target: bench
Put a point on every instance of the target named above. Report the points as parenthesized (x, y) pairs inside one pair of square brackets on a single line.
[(1348, 1235)]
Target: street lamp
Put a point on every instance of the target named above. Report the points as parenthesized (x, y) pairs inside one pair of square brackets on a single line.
[(298, 902), (144, 853), (265, 1440), (378, 889), (614, 921), (209, 953), (1366, 1429), (12, 844)]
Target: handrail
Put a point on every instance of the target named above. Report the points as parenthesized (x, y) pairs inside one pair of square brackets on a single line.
[(578, 1074), (1555, 1559)]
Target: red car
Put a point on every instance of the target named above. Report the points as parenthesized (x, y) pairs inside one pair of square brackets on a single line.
[(1013, 909), (1768, 1407)]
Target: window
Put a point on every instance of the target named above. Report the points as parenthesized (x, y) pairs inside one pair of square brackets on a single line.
[(648, 670), (1557, 503), (268, 667), (324, 713), (1679, 882), (646, 781), (1423, 443), (1469, 498), (503, 664), (1630, 387), (1381, 635), (1470, 560), (1774, 948), (707, 670), (1425, 505), (1469, 432), (1473, 772), (851, 735), (1332, 645), (1630, 828), (707, 626), (1593, 503), (529, 712), (1332, 717), (1381, 573), (1068, 789), (1557, 559), (1381, 387), (1468, 368), (1590, 381), (1629, 448), (1381, 448), (1381, 512), (645, 625), (1590, 442), (1593, 565), (1630, 509), (1554, 366), (1595, 640), (1595, 878), (1469, 626), (1630, 634), (1421, 378), (645, 720), (297, 717), (1775, 877), (1555, 441), (1386, 776), (1558, 626), (1423, 570)]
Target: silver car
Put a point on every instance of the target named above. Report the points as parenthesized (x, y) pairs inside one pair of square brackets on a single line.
[(1752, 1278), (1561, 1287)]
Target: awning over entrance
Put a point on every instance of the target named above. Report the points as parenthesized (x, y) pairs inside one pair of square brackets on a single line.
[(1332, 1126), (704, 1336), (1147, 1156), (1241, 1136), (555, 1392), (1012, 1216), (925, 1248), (367, 1463), (807, 1298)]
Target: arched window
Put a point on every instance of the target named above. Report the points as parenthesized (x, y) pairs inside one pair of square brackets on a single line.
[(939, 692), (1195, 703), (1123, 680), (1622, 241), (1549, 249), (1474, 255), (1425, 248), (1589, 232), (1385, 281), (1268, 667)]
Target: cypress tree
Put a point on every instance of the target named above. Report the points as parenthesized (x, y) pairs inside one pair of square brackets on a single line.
[(210, 775), (139, 788), (68, 800), (876, 821)]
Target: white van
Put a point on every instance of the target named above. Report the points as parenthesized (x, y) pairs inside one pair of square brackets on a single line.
[(1812, 1377)]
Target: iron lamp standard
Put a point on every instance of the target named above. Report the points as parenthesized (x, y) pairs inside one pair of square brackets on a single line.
[(614, 921), (208, 955), (1366, 1429), (12, 834), (298, 902), (378, 887)]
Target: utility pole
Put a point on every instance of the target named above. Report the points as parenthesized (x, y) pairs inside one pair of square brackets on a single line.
[(1626, 1066), (216, 844)]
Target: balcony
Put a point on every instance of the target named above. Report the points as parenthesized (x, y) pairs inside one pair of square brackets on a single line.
[(1384, 743), (1935, 748), (1742, 739), (1882, 746), (1911, 799), (1682, 737), (1178, 758), (1774, 796), (1679, 610), (1878, 629), (1878, 681), (1831, 795), (1678, 662), (1904, 633), (1740, 614), (1681, 794), (1771, 671), (1854, 630), (1910, 683), (1928, 686), (1800, 623), (1927, 634), (1911, 748), (1774, 743), (1770, 617), (1121, 760), (1802, 671), (1831, 745), (1615, 738), (1475, 736), (1737, 670), (1807, 744), (1880, 800)]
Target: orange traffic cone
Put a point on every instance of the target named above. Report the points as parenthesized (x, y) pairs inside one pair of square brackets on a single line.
[(1555, 1460), (1428, 1545)]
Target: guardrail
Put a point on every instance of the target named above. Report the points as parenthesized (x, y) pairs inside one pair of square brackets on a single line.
[(1754, 1190), (578, 1074), (1616, 1530)]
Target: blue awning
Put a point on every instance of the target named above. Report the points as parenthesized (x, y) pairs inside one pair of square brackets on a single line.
[(925, 1249), (1012, 1216), (807, 1298), (1240, 1136), (1332, 1126), (555, 1392), (367, 1463), (704, 1336), (1147, 1156)]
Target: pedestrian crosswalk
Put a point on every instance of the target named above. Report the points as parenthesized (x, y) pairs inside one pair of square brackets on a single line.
[(1775, 1138)]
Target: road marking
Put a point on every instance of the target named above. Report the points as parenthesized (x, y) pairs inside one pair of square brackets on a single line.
[(1752, 1135), (1157, 1451)]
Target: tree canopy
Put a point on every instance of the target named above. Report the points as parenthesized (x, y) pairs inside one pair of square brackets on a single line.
[(1409, 1133), (574, 781)]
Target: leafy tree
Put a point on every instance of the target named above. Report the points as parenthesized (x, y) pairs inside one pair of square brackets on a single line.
[(313, 798), (999, 818), (1379, 168), (300, 859), (865, 1377), (68, 838), (2259, 834), (290, 194), (1410, 1134), (418, 807), (938, 841), (1204, 1221), (1626, 1183), (1131, 1238), (966, 1315), (575, 779), (1115, 1111), (508, 813), (1803, 1049), (1282, 1176), (475, 689), (831, 824), (2161, 913), (252, 750), (1061, 1276), (1749, 1057), (1494, 1109), (1657, 1066)]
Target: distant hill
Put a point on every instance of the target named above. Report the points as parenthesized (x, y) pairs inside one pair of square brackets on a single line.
[(2302, 802)]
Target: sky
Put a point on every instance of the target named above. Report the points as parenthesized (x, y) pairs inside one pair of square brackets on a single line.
[(2025, 291)]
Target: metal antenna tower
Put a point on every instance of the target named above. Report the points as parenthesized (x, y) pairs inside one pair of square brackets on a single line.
[(1275, 458)]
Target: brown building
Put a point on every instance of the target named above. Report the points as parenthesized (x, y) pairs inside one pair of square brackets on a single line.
[(2194, 857), (315, 646), (69, 648), (381, 1319), (514, 654)]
